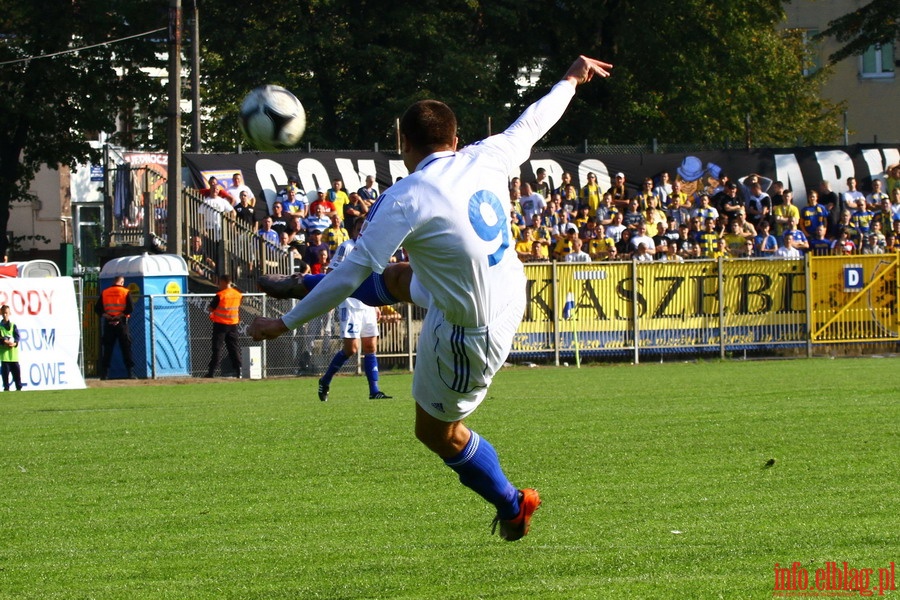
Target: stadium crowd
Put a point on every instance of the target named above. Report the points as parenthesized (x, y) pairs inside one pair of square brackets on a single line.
[(751, 217), (746, 218), (307, 231)]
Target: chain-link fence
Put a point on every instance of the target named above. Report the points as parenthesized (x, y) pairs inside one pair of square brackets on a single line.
[(306, 351), (603, 311)]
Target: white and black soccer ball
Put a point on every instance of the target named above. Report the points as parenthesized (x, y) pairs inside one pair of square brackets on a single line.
[(272, 118)]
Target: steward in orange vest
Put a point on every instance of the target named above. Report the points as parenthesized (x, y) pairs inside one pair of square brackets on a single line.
[(114, 308), (224, 311)]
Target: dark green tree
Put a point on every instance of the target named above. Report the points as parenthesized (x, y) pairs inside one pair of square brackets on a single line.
[(878, 22), (50, 107), (690, 71)]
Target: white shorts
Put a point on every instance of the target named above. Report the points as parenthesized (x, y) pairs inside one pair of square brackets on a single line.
[(357, 322), (455, 365)]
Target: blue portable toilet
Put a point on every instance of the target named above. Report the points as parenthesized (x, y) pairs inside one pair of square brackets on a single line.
[(159, 326)]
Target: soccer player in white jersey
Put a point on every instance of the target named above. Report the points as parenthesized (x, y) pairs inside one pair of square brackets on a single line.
[(451, 215), (359, 321)]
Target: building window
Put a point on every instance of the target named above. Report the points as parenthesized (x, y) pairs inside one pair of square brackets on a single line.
[(811, 61), (878, 61)]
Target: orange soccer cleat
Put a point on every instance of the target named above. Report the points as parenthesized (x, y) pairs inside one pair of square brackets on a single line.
[(517, 527)]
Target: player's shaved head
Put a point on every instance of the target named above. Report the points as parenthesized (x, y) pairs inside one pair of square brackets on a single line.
[(429, 125)]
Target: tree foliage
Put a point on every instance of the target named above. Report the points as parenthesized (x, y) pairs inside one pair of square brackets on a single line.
[(878, 22), (685, 71), (50, 107)]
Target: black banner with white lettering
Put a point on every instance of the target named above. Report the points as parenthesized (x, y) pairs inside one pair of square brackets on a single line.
[(800, 169)]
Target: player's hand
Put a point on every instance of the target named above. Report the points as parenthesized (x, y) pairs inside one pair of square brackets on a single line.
[(584, 69), (266, 329)]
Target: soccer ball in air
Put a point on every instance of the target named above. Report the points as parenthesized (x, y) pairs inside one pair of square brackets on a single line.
[(272, 118)]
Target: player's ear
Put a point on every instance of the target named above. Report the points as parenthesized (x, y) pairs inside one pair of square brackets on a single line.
[(455, 142)]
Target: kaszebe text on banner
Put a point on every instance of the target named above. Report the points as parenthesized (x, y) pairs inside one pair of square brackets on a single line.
[(45, 310)]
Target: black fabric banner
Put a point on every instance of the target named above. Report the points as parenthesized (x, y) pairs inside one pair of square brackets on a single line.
[(800, 169)]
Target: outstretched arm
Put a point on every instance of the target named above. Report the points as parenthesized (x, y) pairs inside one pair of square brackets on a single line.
[(515, 143), (330, 292)]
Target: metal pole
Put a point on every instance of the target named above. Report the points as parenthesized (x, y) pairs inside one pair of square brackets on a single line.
[(195, 76), (554, 277), (635, 316), (174, 233), (807, 265), (720, 265), (846, 131)]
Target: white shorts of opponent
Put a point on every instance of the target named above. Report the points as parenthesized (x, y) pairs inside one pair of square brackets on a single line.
[(358, 320)]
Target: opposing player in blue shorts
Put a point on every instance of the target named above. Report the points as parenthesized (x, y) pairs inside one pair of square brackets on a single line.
[(451, 215)]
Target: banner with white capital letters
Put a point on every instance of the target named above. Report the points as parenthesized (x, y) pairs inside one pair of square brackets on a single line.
[(45, 310)]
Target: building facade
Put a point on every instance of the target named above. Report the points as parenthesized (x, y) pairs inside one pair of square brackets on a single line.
[(868, 83)]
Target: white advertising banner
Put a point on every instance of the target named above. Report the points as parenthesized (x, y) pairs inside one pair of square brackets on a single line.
[(45, 310)]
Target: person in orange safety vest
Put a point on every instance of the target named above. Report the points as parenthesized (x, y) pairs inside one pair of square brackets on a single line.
[(114, 308), (224, 310)]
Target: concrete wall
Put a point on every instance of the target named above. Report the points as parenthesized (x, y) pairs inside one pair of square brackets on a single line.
[(44, 216)]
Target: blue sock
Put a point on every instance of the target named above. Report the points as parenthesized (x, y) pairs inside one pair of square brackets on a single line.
[(370, 364), (372, 291), (479, 469), (336, 363)]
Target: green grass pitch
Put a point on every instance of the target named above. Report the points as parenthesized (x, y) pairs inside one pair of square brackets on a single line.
[(657, 481)]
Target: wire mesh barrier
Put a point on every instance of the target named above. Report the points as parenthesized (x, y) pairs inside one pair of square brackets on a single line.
[(614, 310)]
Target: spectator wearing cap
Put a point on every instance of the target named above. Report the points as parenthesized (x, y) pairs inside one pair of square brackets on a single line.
[(671, 233), (618, 191), (688, 247), (293, 203), (292, 185)]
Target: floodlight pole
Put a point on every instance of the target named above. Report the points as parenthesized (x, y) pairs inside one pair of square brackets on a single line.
[(174, 235), (195, 76)]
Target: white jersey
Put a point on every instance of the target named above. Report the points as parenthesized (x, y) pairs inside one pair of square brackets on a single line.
[(340, 255), (452, 216)]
